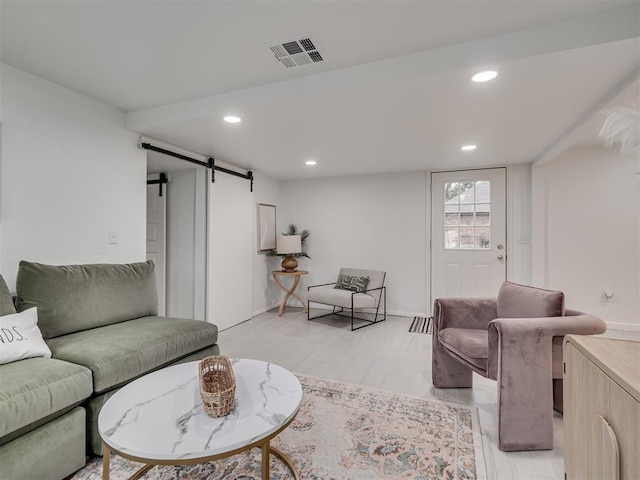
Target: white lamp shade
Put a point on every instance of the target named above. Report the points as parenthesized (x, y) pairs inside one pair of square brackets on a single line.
[(289, 244)]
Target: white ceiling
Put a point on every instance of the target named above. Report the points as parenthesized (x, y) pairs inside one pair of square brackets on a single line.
[(393, 93)]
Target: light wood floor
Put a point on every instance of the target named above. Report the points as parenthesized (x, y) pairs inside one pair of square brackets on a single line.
[(385, 356)]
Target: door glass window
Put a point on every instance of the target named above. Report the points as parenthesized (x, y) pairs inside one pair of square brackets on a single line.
[(467, 215)]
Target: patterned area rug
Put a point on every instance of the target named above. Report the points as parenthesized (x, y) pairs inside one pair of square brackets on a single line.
[(348, 432), (421, 325)]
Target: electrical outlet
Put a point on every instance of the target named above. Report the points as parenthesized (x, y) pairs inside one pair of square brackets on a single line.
[(113, 237)]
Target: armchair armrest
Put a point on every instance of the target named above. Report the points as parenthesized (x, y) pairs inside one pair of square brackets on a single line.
[(475, 313), (320, 285), (518, 334), (373, 289)]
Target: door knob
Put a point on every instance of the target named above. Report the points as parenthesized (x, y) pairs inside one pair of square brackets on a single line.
[(500, 257)]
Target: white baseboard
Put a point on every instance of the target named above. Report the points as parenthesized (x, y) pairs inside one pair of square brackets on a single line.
[(265, 309), (408, 314), (623, 326)]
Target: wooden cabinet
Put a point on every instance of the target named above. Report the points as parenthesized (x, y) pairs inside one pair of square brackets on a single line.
[(601, 408)]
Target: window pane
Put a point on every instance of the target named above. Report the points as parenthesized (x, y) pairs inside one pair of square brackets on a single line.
[(483, 237), (466, 218), (466, 237), (467, 215), (451, 237), (451, 215), (466, 192), (466, 208), (483, 218), (483, 191), (451, 219), (451, 190)]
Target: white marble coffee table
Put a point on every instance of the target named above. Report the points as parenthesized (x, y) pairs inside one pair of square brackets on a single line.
[(159, 419)]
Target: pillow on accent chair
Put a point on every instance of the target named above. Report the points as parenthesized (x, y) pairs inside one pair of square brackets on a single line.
[(523, 301), (352, 282), (20, 337)]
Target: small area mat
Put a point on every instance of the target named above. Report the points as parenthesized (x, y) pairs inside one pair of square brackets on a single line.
[(421, 325)]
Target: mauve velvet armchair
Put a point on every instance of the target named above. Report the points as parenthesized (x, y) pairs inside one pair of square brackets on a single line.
[(515, 339)]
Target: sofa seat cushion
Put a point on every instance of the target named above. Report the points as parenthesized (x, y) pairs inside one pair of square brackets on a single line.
[(469, 344), (341, 298), (37, 388), (123, 351)]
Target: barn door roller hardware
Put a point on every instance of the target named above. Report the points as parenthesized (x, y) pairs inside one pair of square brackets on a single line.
[(215, 168), (160, 181), (210, 163)]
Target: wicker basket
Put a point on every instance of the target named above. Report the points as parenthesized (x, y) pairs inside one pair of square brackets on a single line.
[(217, 385)]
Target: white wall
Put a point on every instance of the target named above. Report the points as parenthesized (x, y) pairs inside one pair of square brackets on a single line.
[(266, 295), (586, 221), (186, 242), (70, 174), (519, 223), (382, 222), (369, 221)]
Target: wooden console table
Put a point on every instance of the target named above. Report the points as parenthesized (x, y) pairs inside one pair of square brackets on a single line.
[(289, 291), (601, 408)]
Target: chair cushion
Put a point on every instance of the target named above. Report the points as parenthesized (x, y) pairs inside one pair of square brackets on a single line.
[(37, 388), (469, 344), (522, 301), (123, 351), (340, 298), (72, 298), (6, 301)]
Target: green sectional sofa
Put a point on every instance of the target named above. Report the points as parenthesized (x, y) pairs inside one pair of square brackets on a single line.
[(100, 323)]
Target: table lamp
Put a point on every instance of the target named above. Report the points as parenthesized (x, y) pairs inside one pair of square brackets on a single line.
[(288, 245)]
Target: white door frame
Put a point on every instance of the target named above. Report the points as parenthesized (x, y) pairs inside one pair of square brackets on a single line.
[(431, 227), (159, 239)]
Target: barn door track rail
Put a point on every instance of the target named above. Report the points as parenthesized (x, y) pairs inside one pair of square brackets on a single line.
[(211, 164)]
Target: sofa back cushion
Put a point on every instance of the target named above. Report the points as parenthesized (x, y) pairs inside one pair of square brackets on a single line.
[(6, 301), (522, 301), (73, 298)]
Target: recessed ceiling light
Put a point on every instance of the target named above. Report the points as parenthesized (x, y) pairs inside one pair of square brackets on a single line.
[(310, 162), (467, 148), (484, 76), (232, 119)]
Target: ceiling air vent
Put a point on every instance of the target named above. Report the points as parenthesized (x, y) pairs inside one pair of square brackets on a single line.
[(296, 53)]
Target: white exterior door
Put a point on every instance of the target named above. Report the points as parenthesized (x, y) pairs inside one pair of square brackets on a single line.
[(468, 233), (156, 239)]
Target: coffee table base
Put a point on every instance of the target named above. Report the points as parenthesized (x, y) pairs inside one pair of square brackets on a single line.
[(266, 448)]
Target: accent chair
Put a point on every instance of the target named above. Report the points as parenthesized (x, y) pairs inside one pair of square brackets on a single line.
[(355, 289), (515, 339)]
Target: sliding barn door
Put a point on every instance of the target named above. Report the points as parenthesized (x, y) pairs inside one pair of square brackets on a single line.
[(230, 252)]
